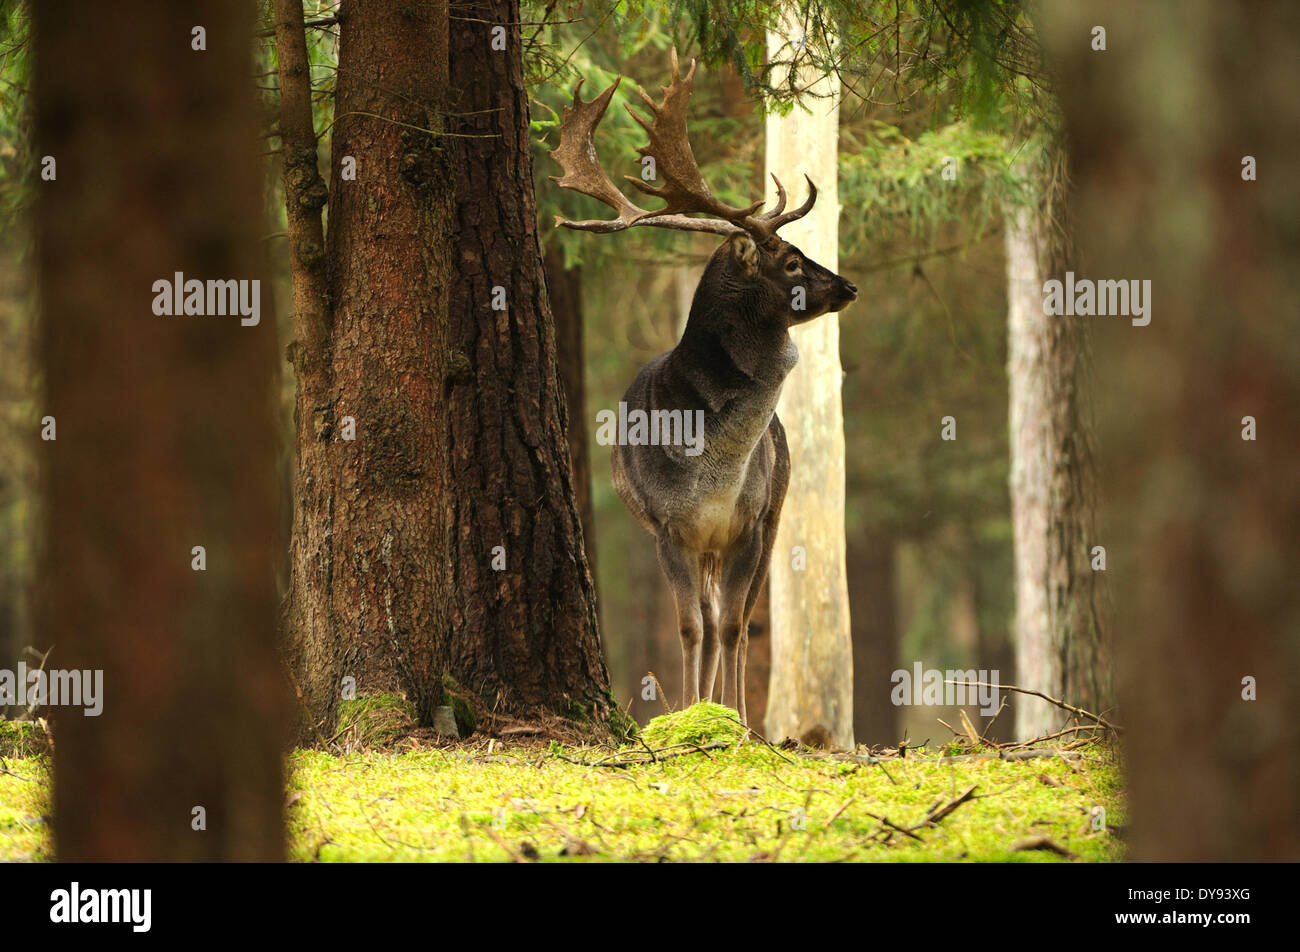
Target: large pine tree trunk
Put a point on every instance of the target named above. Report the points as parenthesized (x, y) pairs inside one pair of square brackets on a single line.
[(165, 437), (524, 636), (370, 529), (1058, 635), (1206, 524), (564, 290), (812, 647)]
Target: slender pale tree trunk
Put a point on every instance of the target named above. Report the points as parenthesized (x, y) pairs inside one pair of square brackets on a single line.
[(1037, 665), (812, 648), (1058, 635)]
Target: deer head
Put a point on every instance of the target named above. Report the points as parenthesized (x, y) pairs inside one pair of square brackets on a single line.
[(755, 266)]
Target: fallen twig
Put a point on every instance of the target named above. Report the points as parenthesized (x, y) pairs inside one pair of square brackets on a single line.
[(657, 755), (1050, 700), (892, 825), (934, 816), (1041, 843), (1046, 737), (837, 813)]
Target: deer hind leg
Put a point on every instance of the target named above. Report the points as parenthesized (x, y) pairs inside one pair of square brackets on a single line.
[(739, 565), (682, 570), (709, 615), (766, 533)]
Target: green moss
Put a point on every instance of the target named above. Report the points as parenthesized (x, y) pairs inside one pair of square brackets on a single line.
[(701, 723), (743, 803), (621, 725), (454, 696), (22, 739), (374, 720), (24, 807), (575, 710)]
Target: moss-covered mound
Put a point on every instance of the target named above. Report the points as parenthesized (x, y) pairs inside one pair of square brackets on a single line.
[(374, 720), (702, 723)]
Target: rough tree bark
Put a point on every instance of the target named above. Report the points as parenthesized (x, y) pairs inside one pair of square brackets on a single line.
[(1205, 525), (165, 437), (1058, 635), (523, 637), (812, 647), (370, 544), (564, 291)]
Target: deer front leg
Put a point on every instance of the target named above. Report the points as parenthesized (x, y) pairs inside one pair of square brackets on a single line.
[(682, 569), (709, 583), (738, 567)]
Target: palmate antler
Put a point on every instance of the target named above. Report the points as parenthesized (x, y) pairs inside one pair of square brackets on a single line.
[(684, 190)]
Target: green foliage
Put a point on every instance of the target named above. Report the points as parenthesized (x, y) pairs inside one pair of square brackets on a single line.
[(636, 49), (893, 183), (16, 159)]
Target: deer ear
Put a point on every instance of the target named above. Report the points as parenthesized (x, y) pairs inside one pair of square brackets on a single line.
[(745, 252)]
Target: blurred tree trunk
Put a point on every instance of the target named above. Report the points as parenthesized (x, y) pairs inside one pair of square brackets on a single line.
[(1206, 524), (874, 609), (166, 438), (20, 416), (370, 543), (812, 647), (564, 289), (524, 636), (994, 650), (1058, 636)]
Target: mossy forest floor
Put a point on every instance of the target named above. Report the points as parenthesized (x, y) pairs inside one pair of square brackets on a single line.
[(710, 798)]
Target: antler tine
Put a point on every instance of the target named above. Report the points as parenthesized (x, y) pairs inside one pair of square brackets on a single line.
[(780, 201), (684, 188), (769, 222)]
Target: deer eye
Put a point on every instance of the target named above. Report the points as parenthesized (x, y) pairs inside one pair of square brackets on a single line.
[(792, 266)]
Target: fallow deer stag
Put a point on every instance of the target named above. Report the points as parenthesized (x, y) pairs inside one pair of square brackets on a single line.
[(713, 512)]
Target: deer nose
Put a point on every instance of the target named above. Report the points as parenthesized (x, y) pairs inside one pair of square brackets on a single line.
[(853, 288)]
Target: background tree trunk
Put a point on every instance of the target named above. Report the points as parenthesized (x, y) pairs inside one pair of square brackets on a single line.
[(166, 438), (1058, 636), (1205, 525), (20, 415), (870, 561), (812, 647), (525, 637)]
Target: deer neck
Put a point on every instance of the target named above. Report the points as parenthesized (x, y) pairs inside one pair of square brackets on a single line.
[(732, 362)]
